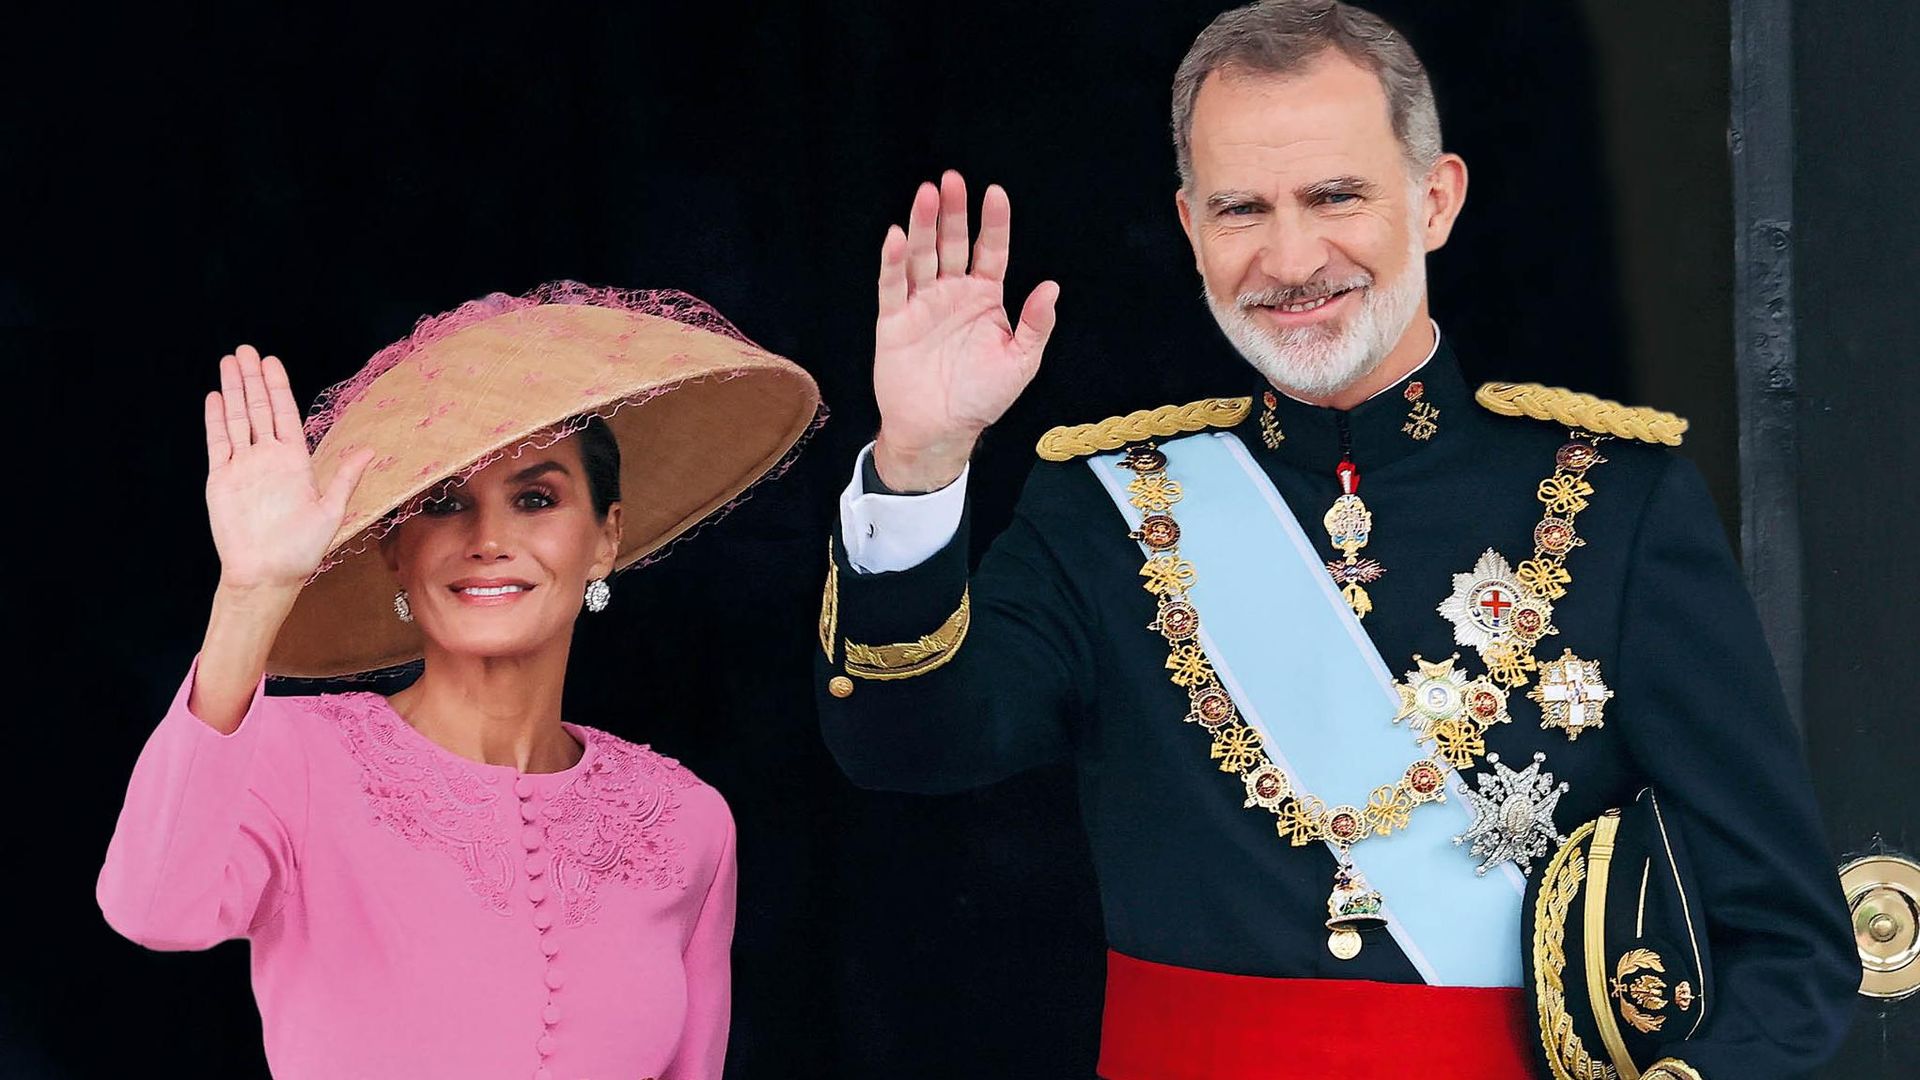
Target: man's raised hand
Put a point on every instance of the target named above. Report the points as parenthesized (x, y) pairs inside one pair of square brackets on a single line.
[(947, 361)]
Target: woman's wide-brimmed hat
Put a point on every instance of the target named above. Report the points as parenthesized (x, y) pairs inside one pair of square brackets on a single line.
[(700, 412)]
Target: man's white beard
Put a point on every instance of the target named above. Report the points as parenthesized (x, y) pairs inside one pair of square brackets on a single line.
[(1318, 361)]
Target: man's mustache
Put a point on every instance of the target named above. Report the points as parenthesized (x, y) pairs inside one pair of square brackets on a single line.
[(1301, 294)]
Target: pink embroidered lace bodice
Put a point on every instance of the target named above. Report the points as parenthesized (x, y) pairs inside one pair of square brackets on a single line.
[(415, 914)]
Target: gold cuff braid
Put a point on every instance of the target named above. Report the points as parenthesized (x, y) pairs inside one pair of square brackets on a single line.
[(1067, 443), (830, 605), (906, 659), (1584, 411)]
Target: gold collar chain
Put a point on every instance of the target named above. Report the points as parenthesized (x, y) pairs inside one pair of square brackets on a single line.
[(1300, 817)]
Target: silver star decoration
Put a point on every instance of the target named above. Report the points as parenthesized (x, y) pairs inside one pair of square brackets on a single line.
[(1482, 600), (1512, 815)]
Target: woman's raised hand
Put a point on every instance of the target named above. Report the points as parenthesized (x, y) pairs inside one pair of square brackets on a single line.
[(947, 362), (271, 522)]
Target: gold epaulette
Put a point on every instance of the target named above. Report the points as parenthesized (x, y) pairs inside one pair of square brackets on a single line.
[(1067, 443), (1584, 411)]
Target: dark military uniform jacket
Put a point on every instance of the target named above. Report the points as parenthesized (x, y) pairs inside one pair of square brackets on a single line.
[(1044, 654)]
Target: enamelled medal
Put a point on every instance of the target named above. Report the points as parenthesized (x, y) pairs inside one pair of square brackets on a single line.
[(1349, 526)]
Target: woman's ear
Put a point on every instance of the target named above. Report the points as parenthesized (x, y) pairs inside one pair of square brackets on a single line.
[(610, 536), (389, 550)]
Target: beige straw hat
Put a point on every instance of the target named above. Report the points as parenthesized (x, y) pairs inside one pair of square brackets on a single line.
[(700, 413)]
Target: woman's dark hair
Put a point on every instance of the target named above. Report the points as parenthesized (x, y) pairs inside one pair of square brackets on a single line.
[(600, 456)]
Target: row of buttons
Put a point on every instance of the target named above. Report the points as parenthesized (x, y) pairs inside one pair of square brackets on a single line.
[(532, 837)]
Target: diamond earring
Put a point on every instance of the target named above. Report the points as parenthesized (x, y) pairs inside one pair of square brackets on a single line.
[(401, 609), (598, 593)]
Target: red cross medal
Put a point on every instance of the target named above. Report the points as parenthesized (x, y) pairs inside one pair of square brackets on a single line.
[(1493, 613)]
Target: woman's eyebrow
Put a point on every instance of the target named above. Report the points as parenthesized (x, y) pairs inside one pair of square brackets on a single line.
[(538, 469)]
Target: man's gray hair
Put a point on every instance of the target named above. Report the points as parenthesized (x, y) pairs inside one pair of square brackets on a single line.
[(1282, 37)]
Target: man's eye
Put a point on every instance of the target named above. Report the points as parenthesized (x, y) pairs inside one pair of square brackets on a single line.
[(1341, 198), (1239, 210)]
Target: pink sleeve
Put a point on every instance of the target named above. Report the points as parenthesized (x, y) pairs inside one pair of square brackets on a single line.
[(204, 850), (709, 966)]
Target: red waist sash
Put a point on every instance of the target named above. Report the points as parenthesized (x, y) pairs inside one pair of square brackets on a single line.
[(1174, 1023)]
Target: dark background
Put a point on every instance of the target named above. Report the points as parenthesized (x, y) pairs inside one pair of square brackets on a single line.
[(311, 182)]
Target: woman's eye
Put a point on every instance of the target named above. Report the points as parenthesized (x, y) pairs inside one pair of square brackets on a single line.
[(535, 500), (440, 504)]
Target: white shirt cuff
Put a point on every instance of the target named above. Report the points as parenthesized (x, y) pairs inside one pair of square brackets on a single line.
[(897, 532)]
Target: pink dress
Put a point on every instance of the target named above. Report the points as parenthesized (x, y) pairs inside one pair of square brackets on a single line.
[(415, 914)]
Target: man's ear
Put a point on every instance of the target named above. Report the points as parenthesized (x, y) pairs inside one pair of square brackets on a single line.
[(1185, 209), (1445, 192)]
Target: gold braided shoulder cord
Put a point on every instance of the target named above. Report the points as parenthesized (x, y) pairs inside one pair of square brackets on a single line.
[(906, 659), (1576, 410), (1067, 443)]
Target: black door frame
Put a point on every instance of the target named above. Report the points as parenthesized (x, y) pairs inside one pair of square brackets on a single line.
[(1760, 139)]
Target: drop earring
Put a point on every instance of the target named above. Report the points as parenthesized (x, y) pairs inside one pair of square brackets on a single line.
[(401, 609), (598, 594)]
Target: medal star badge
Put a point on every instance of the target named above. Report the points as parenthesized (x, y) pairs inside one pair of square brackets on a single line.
[(1494, 613), (1481, 607), (1571, 694), (1433, 694), (1512, 815)]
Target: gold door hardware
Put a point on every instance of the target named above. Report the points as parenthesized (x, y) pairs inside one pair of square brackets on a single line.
[(1883, 894)]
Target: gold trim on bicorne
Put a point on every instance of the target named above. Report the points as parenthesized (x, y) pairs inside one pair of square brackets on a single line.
[(830, 605), (905, 659), (1577, 410), (1079, 440), (1671, 1069), (1686, 913), (1567, 1056), (1594, 920)]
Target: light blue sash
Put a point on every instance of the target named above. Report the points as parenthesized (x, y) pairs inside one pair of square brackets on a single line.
[(1309, 680)]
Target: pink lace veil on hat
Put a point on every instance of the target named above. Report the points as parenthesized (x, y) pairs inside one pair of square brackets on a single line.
[(701, 414)]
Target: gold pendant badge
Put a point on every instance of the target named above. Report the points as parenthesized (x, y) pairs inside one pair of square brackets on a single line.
[(1349, 526)]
